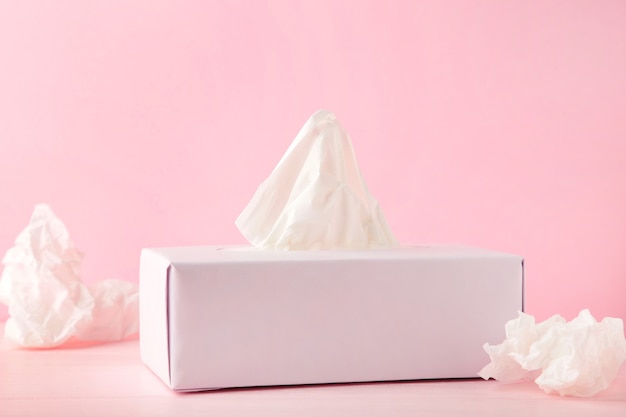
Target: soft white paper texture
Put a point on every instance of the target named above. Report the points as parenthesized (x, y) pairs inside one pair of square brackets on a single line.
[(316, 197), (48, 302), (577, 358)]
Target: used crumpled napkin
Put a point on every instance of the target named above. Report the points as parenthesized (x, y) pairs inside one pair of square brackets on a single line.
[(48, 303), (577, 358), (316, 197)]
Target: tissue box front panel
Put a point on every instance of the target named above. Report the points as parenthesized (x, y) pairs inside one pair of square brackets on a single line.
[(242, 317)]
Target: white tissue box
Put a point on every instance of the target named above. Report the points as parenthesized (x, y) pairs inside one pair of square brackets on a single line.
[(220, 317)]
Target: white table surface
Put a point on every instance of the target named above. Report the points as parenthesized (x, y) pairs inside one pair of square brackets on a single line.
[(110, 380)]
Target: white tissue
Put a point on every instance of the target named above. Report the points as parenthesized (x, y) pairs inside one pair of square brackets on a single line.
[(316, 197), (579, 358), (48, 303)]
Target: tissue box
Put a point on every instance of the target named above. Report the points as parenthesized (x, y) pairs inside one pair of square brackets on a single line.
[(220, 317)]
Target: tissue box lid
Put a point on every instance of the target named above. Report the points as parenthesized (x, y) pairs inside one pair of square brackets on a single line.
[(217, 317)]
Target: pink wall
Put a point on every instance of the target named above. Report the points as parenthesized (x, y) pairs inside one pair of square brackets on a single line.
[(493, 123)]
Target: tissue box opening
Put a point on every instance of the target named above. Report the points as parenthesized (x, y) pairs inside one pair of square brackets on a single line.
[(222, 317)]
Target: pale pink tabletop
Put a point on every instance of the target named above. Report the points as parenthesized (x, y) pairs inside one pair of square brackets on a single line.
[(110, 380)]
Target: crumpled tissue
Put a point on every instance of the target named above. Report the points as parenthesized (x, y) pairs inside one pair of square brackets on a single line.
[(577, 358), (316, 198), (48, 303)]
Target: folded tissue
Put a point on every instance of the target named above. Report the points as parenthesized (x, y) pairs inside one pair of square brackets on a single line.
[(316, 197), (577, 358), (48, 303)]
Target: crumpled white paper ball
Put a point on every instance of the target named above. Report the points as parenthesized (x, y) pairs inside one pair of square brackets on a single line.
[(577, 358), (48, 302)]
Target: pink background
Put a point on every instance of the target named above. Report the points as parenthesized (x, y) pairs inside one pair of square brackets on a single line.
[(493, 123)]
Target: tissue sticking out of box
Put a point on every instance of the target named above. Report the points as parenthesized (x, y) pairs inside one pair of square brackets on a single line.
[(48, 303), (577, 358), (316, 197)]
